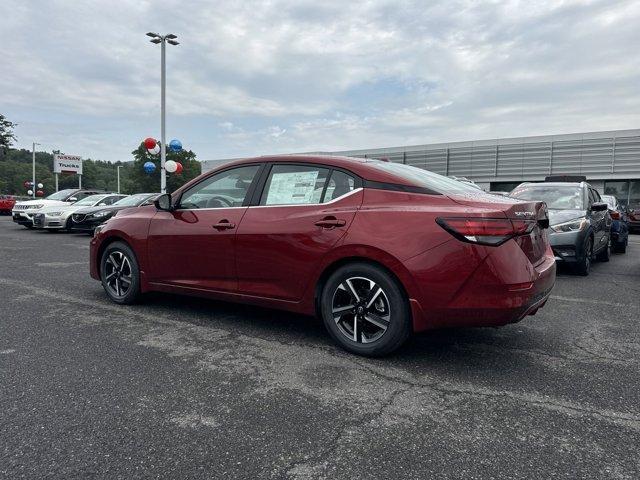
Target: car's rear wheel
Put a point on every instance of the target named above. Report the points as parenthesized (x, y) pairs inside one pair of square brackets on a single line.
[(365, 310), (605, 254), (620, 247), (583, 266), (120, 273)]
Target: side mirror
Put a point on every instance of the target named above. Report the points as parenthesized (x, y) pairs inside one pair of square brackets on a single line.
[(599, 207), (101, 204), (163, 202), (72, 199)]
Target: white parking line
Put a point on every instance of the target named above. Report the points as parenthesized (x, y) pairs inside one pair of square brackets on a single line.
[(594, 302)]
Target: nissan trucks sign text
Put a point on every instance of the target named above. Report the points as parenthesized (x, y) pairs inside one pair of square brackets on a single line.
[(67, 164)]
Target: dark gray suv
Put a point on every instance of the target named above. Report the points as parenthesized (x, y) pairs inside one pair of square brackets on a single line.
[(579, 219)]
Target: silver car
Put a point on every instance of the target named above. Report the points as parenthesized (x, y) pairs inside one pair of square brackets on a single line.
[(58, 217)]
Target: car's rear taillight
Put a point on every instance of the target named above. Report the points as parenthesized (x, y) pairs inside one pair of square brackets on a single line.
[(485, 231), (615, 215)]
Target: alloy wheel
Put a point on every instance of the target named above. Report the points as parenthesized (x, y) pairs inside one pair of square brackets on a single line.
[(361, 310), (118, 273)]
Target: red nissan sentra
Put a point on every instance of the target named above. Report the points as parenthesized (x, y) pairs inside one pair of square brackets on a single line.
[(378, 250)]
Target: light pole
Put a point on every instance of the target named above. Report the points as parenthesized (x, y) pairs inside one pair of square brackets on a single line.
[(162, 40), (118, 172), (33, 165)]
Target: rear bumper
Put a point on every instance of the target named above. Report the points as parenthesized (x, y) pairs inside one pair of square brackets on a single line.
[(503, 288)]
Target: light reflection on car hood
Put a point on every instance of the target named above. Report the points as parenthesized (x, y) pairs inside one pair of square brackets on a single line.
[(560, 216)]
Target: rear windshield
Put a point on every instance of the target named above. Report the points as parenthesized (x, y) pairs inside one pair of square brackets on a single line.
[(558, 197), (426, 179)]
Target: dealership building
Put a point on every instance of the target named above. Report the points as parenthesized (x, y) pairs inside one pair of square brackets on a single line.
[(610, 160)]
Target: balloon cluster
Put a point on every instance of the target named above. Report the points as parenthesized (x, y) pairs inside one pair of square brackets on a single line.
[(29, 185), (153, 147)]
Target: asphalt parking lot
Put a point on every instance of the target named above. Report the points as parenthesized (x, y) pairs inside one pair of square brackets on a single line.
[(179, 387)]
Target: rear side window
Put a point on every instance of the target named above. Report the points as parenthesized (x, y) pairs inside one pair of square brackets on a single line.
[(294, 185), (339, 184)]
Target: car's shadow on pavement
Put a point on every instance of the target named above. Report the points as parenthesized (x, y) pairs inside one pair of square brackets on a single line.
[(457, 348)]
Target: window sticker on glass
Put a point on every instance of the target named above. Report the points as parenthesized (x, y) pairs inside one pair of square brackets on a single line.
[(292, 188)]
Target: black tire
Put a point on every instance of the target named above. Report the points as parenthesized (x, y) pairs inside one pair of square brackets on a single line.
[(378, 323), (620, 247), (583, 267), (116, 272), (605, 254), (30, 227)]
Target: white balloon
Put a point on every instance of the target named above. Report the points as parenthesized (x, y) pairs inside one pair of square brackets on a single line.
[(170, 166), (155, 150), (40, 185), (29, 192)]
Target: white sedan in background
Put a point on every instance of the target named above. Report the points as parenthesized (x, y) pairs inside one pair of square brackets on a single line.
[(58, 217)]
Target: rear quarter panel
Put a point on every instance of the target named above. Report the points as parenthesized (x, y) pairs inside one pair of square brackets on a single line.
[(399, 231)]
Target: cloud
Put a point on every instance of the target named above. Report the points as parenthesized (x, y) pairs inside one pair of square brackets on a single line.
[(258, 77)]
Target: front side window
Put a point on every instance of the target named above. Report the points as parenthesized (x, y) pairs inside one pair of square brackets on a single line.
[(223, 190), (294, 185), (611, 202)]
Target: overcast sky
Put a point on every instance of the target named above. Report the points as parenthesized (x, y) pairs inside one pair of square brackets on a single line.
[(295, 75)]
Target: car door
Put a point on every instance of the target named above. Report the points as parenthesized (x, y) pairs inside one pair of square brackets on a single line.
[(303, 211), (194, 245)]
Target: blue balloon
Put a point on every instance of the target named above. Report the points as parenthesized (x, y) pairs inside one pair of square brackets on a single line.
[(149, 167), (175, 145)]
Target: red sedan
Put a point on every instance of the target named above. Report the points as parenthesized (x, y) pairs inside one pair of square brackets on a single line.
[(378, 250), (6, 204)]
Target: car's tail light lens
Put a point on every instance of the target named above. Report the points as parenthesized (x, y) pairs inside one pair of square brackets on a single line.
[(485, 231), (615, 215)]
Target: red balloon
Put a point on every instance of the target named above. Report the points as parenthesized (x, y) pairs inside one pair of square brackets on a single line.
[(150, 143), (39, 193), (179, 167)]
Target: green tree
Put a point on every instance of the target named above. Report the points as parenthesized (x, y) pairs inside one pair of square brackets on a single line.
[(7, 137), (141, 181)]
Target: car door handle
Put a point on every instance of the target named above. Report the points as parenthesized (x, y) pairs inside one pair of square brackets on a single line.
[(330, 222), (224, 225)]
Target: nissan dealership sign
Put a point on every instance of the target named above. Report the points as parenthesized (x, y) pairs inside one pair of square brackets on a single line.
[(67, 164)]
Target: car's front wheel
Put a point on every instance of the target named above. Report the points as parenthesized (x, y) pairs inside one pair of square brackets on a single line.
[(583, 267), (120, 273), (365, 310), (605, 254)]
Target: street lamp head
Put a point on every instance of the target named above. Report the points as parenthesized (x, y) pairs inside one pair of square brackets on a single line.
[(156, 40), (171, 36), (173, 42), (151, 34)]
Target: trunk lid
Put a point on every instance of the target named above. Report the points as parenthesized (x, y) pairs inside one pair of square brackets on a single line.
[(521, 212)]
